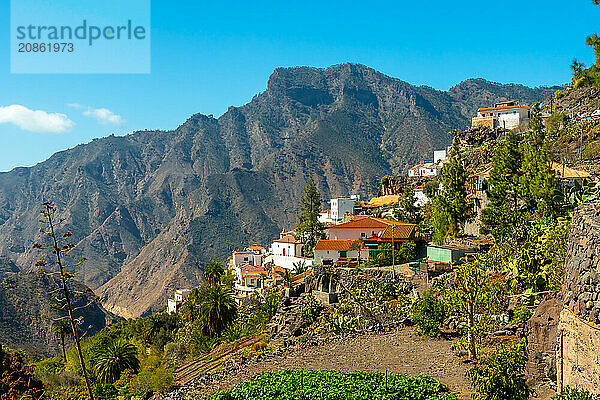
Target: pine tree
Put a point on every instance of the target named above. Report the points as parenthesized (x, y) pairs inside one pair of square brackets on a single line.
[(452, 207), (407, 210), (309, 228), (502, 213), (538, 187), (594, 42)]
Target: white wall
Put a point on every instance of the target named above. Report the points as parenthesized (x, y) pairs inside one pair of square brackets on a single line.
[(421, 198), (334, 255), (287, 262), (286, 249), (339, 208), (439, 155)]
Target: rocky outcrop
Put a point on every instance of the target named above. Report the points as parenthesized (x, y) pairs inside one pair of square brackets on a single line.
[(541, 330)]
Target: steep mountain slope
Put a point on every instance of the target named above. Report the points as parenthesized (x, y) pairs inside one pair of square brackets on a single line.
[(26, 312), (153, 206)]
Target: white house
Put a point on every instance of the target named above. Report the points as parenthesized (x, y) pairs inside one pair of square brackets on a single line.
[(253, 255), (440, 156), (507, 115), (422, 199), (174, 303), (249, 278), (325, 217), (426, 169), (335, 249), (286, 252), (341, 208)]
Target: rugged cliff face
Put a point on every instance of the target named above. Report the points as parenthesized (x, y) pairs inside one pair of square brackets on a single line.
[(151, 207)]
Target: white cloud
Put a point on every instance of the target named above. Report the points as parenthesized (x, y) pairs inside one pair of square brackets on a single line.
[(75, 105), (35, 120), (104, 116)]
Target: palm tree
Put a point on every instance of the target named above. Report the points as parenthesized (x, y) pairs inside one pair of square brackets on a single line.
[(263, 276), (213, 272), (217, 309), (300, 267), (61, 328), (287, 277), (190, 309), (151, 327), (111, 360)]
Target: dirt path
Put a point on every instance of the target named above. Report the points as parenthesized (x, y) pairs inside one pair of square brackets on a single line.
[(399, 351)]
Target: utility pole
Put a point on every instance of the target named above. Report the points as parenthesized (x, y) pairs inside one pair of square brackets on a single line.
[(393, 253)]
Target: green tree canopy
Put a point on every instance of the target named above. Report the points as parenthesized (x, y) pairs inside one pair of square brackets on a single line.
[(451, 208), (407, 211), (500, 374), (538, 185), (217, 309), (472, 291), (213, 272), (113, 358), (594, 42), (308, 226), (502, 213)]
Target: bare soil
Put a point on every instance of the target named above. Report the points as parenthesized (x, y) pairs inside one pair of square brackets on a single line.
[(399, 351)]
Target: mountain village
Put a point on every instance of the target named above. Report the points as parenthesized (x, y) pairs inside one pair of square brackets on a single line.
[(357, 228), (474, 273)]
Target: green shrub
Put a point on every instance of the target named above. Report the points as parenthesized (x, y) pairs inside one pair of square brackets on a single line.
[(498, 375), (522, 314), (336, 385), (428, 313), (570, 393), (310, 309), (68, 393), (558, 94)]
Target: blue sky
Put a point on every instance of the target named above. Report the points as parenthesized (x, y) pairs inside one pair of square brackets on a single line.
[(207, 56)]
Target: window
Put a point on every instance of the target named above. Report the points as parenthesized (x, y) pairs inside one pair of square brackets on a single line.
[(343, 254), (362, 234), (284, 251), (245, 258)]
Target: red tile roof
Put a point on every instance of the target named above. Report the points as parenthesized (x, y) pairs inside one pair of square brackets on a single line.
[(503, 107), (288, 239), (250, 268), (400, 232), (255, 247), (333, 245), (366, 222)]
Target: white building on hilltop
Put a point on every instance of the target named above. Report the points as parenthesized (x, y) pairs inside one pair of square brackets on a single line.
[(286, 252), (341, 208), (507, 115), (174, 303)]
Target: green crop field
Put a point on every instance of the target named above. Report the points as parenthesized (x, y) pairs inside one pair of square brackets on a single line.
[(336, 385)]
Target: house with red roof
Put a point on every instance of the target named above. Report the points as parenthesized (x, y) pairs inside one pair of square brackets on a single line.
[(286, 252), (506, 114), (333, 250), (365, 227)]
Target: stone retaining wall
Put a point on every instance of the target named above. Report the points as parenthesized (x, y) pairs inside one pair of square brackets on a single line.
[(578, 357)]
